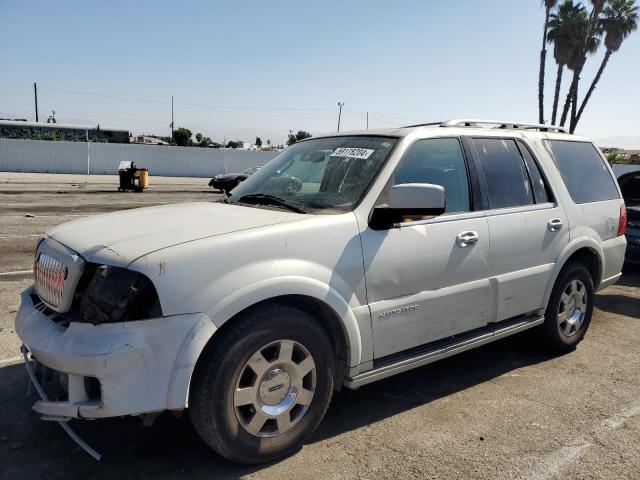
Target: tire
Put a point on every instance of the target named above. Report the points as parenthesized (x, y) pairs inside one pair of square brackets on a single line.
[(245, 377), (570, 308)]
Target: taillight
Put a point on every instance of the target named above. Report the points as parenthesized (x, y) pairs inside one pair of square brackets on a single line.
[(622, 223)]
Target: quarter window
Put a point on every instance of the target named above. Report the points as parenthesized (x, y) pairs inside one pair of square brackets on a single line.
[(583, 171), (540, 190), (504, 172), (438, 161)]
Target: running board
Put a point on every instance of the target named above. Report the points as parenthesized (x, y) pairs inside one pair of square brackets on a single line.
[(432, 352)]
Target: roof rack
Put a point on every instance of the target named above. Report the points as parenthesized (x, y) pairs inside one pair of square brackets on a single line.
[(467, 122)]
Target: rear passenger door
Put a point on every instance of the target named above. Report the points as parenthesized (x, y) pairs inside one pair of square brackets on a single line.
[(527, 228)]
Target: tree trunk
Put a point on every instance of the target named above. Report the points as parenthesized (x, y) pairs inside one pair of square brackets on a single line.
[(556, 96), (592, 87), (543, 60), (567, 102), (574, 109)]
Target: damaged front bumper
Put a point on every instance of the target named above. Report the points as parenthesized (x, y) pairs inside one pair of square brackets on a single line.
[(134, 367)]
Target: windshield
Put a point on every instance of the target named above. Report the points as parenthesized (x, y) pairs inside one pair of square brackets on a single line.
[(322, 173)]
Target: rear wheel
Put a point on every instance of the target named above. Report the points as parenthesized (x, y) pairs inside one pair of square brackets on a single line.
[(263, 387), (570, 308)]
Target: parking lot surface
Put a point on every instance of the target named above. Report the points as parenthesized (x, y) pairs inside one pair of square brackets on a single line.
[(505, 411)]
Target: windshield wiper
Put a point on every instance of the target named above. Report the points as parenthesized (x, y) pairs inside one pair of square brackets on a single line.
[(266, 199)]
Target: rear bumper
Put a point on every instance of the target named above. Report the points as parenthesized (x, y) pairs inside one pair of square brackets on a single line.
[(607, 282), (139, 365)]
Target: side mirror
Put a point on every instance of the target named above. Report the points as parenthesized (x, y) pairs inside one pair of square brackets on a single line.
[(410, 200)]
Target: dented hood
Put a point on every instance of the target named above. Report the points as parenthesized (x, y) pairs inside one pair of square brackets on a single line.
[(119, 238)]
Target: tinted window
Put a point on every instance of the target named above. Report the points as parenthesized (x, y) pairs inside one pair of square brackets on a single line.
[(504, 172), (438, 161), (583, 171), (540, 190)]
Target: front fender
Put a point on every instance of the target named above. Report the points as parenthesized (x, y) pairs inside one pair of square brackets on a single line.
[(270, 288), (245, 297)]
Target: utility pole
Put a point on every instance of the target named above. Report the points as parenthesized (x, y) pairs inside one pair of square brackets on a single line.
[(340, 105), (171, 118), (367, 120), (35, 96)]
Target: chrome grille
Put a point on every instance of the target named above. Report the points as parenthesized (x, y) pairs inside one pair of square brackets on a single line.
[(50, 275)]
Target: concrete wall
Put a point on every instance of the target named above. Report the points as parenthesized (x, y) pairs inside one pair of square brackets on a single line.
[(71, 157)]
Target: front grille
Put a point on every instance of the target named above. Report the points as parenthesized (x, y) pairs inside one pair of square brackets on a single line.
[(50, 275)]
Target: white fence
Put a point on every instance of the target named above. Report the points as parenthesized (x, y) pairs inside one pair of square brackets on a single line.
[(43, 156), (620, 169)]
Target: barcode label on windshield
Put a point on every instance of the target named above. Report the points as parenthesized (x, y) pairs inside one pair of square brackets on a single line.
[(352, 152)]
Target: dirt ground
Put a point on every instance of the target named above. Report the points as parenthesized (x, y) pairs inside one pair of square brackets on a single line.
[(504, 411)]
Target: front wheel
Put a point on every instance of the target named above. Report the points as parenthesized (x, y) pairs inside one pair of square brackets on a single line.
[(570, 309), (263, 387)]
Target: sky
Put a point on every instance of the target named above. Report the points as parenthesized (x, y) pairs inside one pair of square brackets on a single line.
[(241, 69)]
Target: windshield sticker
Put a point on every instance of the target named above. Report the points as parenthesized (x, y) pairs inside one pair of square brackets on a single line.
[(352, 152)]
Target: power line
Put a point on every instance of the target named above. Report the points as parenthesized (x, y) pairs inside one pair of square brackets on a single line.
[(191, 104)]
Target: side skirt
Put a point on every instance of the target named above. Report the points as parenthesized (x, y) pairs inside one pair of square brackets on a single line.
[(434, 351)]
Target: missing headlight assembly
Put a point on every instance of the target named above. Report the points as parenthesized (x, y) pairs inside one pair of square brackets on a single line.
[(117, 295)]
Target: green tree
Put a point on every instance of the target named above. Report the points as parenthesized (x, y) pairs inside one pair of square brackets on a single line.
[(301, 135), (584, 41), (199, 137), (615, 157), (620, 20), (291, 139), (258, 142), (562, 27), (235, 144), (182, 137), (548, 4), (204, 141)]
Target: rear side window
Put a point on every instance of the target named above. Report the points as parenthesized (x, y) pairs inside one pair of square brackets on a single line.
[(504, 171), (583, 171)]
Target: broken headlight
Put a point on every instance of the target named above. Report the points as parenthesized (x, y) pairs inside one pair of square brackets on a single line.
[(117, 295)]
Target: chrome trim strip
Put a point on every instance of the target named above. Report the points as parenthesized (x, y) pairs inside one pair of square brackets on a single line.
[(444, 352), (50, 276)]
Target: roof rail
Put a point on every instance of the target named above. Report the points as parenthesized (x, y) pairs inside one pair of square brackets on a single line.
[(469, 122)]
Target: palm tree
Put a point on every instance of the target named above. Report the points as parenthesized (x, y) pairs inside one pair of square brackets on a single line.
[(572, 43), (548, 4), (562, 32), (590, 45), (620, 20), (585, 40)]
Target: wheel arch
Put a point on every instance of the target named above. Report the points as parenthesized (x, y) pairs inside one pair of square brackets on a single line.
[(318, 300), (584, 251)]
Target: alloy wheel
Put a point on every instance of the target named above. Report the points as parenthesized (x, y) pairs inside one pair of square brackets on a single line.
[(275, 388)]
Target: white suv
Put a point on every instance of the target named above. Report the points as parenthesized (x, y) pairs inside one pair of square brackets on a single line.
[(348, 258)]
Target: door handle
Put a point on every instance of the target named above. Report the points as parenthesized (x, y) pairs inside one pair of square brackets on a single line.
[(554, 225), (467, 239)]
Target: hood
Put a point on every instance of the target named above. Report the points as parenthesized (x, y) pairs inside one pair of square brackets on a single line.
[(119, 238)]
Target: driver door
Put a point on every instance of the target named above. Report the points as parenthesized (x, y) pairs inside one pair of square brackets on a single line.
[(428, 279)]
